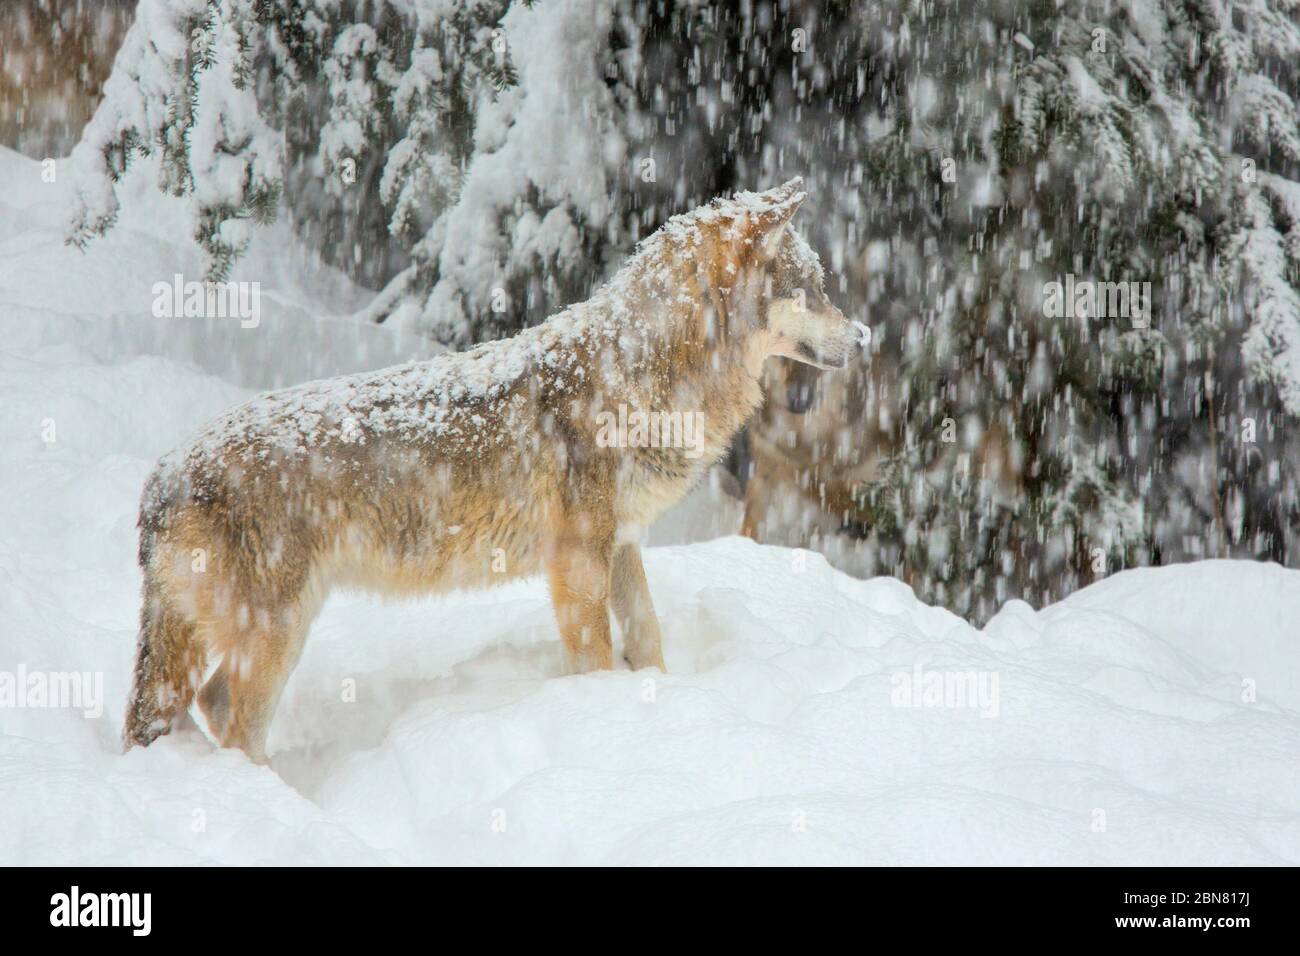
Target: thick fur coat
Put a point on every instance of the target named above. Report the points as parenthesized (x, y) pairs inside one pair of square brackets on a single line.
[(470, 469)]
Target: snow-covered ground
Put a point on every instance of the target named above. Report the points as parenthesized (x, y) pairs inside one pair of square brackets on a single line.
[(1152, 718)]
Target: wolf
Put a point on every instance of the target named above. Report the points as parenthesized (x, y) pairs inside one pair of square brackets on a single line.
[(823, 451), (470, 469), (814, 449)]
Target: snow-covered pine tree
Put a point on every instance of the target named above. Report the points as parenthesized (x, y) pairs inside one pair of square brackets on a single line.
[(1105, 142), (356, 115), (538, 211)]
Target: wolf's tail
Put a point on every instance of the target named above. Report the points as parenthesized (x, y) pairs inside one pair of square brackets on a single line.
[(163, 687), (168, 658)]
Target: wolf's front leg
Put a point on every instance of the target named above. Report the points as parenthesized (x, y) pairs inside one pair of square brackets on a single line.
[(577, 568), (633, 609)]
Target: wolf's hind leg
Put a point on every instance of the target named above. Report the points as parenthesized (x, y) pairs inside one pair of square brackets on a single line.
[(240, 697), (633, 609), (577, 570), (214, 701)]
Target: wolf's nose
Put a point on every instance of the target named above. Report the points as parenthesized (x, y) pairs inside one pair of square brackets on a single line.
[(864, 335)]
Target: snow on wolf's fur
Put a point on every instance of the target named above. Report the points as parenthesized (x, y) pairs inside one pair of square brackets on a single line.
[(368, 481)]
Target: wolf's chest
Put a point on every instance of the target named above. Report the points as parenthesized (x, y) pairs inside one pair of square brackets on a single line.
[(653, 480)]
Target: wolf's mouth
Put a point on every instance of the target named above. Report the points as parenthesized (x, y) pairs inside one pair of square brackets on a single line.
[(813, 357), (799, 398)]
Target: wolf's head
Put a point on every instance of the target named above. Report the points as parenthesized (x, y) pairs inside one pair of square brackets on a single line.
[(764, 281), (797, 319)]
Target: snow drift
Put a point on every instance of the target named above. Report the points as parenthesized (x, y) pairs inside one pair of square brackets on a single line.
[(807, 717)]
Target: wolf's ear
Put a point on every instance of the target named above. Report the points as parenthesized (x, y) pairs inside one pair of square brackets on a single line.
[(770, 214)]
